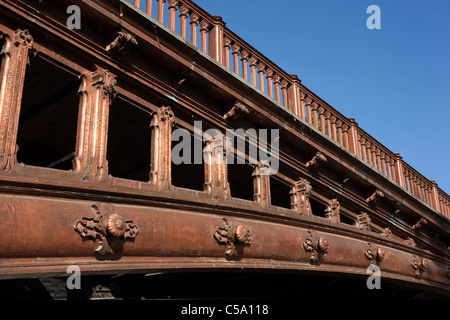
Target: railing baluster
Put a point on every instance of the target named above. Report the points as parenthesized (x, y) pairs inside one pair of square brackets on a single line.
[(339, 132), (383, 163), (253, 62), (226, 48), (244, 60), (183, 21), (284, 86), (161, 11), (333, 127), (374, 157), (236, 48), (204, 26), (345, 129), (308, 101), (194, 17), (269, 77), (328, 123), (276, 82), (321, 111), (362, 142), (314, 107), (302, 106), (149, 7), (172, 14), (261, 69)]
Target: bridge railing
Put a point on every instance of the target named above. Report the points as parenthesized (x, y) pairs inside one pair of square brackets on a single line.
[(210, 34)]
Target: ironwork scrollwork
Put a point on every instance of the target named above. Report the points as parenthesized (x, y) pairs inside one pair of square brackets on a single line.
[(235, 237), (110, 228), (318, 246)]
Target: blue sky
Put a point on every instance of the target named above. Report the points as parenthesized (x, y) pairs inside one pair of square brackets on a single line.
[(394, 81)]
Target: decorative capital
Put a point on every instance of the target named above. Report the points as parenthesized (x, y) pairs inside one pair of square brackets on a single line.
[(317, 246), (299, 194), (234, 237), (269, 73), (235, 48), (183, 10), (332, 211), (106, 79), (276, 78), (321, 110), (227, 41), (261, 66), (204, 25), (194, 17), (244, 54), (22, 37), (173, 3), (363, 221), (161, 115), (253, 61), (303, 185), (109, 227)]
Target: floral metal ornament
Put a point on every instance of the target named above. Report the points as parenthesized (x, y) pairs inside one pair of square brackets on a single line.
[(420, 265), (234, 237), (318, 246), (110, 228), (376, 256)]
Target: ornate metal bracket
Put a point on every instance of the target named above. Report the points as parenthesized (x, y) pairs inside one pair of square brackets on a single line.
[(318, 247), (316, 160), (375, 197), (234, 237), (375, 256), (420, 265), (237, 110), (419, 224), (110, 228), (121, 43)]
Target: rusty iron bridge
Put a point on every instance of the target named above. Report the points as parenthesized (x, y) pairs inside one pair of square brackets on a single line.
[(87, 130)]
